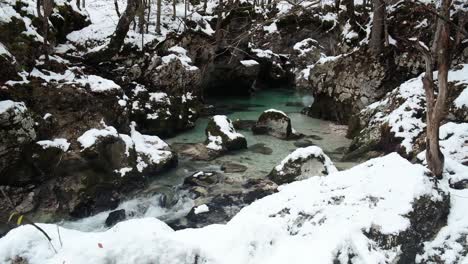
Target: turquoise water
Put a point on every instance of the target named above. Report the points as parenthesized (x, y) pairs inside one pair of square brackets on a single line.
[(146, 203)]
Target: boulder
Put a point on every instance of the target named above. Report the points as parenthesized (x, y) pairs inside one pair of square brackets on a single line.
[(17, 130), (221, 135), (275, 123), (114, 217), (303, 162)]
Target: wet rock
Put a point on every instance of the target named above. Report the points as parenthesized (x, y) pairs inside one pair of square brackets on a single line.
[(261, 149), (274, 123), (201, 178), (315, 137), (304, 162), (221, 135), (196, 151), (115, 216), (231, 167), (243, 124)]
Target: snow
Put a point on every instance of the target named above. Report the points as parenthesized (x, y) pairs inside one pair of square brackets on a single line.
[(301, 223), (214, 142), (4, 51), (264, 53), (249, 63), (181, 55), (159, 97), (304, 153), (305, 46), (275, 111), (98, 84), (60, 143), (124, 171), (151, 147), (462, 100), (226, 127), (270, 29), (7, 105), (89, 137), (201, 209)]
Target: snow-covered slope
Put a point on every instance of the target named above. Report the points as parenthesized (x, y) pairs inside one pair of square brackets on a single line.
[(343, 216)]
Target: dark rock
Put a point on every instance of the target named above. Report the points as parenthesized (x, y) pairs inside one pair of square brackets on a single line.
[(201, 178), (196, 151), (261, 149), (115, 216), (243, 124), (459, 185)]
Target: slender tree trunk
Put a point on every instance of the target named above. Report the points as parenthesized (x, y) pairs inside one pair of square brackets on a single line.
[(436, 107), (48, 6), (148, 16), (141, 17), (462, 20), (84, 3), (38, 8), (78, 4), (117, 39), (377, 35), (174, 9), (158, 17), (116, 4), (218, 33), (205, 6)]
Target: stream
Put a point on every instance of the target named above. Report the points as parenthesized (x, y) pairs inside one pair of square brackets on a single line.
[(163, 200)]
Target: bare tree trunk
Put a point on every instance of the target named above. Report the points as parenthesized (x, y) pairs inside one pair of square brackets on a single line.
[(205, 5), (38, 8), (462, 20), (148, 16), (84, 3), (116, 4), (337, 5), (158, 17), (78, 4), (218, 33), (436, 107), (174, 9), (377, 35), (117, 39), (141, 17), (48, 6)]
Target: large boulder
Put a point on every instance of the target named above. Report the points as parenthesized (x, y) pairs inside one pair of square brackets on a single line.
[(275, 123), (301, 164), (221, 135), (17, 130)]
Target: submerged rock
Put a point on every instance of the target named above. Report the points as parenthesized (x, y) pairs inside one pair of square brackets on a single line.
[(303, 162), (196, 151), (275, 123), (261, 149), (243, 124), (230, 167), (221, 135)]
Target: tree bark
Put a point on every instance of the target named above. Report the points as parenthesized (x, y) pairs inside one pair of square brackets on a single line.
[(436, 107), (377, 35), (174, 9), (47, 6), (117, 39), (158, 16)]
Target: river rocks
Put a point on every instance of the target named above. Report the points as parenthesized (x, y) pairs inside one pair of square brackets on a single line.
[(303, 162), (302, 143), (243, 124), (275, 123), (231, 167), (114, 217), (221, 135), (196, 151)]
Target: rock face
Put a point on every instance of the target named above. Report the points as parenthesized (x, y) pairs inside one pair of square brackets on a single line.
[(275, 123), (17, 130), (397, 122), (302, 163), (221, 135)]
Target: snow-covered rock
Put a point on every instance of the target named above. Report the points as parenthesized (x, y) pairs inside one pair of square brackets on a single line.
[(302, 163), (377, 212), (221, 135), (275, 123)]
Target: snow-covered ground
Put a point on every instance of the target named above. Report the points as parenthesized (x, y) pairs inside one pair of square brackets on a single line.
[(312, 221)]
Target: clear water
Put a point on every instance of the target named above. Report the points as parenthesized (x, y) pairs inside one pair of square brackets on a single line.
[(146, 203)]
